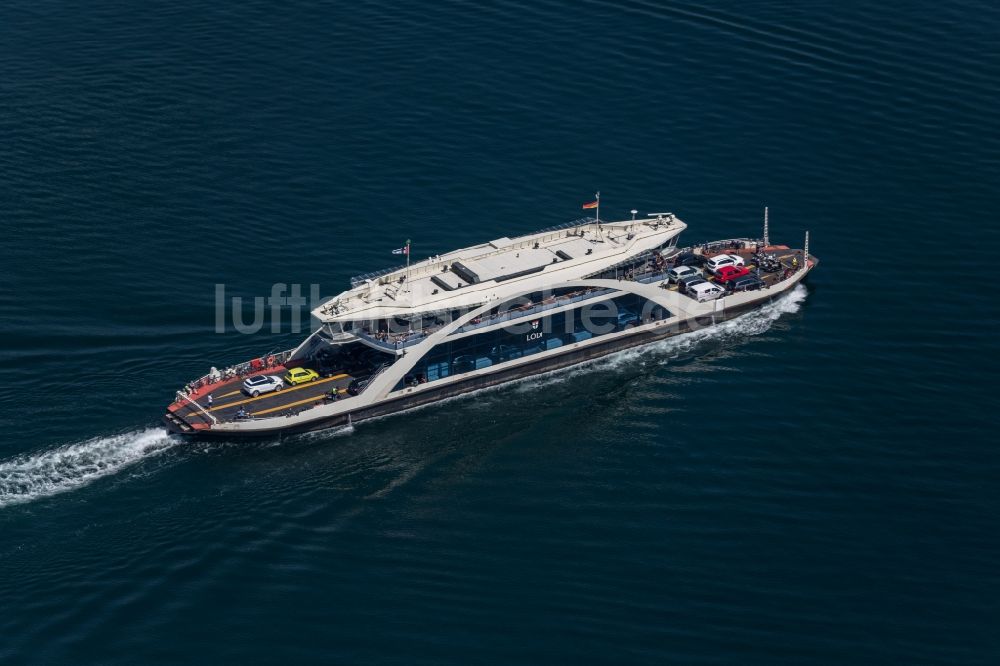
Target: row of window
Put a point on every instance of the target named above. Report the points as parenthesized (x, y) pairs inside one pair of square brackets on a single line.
[(532, 305), (532, 336)]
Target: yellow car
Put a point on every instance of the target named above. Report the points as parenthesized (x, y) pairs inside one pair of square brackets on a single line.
[(301, 376)]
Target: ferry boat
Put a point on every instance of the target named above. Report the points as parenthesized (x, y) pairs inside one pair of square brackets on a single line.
[(485, 315)]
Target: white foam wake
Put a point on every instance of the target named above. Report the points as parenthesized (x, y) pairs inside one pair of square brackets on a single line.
[(745, 325), (32, 476), (751, 323)]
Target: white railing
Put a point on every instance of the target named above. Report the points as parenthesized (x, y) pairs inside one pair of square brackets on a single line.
[(400, 341), (197, 406), (371, 378), (240, 369), (424, 268)]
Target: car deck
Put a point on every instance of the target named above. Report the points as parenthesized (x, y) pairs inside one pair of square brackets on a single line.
[(784, 254), (228, 398)]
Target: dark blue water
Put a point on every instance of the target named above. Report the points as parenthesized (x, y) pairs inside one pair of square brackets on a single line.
[(815, 483)]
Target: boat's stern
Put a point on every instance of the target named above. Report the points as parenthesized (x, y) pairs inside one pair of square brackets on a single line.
[(177, 425)]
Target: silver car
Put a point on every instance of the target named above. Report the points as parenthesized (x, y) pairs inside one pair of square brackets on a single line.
[(262, 384), (678, 273)]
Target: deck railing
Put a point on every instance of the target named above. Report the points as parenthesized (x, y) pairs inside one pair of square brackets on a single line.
[(201, 409), (359, 280), (559, 227), (419, 270), (371, 378), (651, 274), (240, 369), (722, 245), (395, 342)]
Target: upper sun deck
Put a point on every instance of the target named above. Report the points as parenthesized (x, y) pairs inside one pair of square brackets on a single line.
[(499, 268)]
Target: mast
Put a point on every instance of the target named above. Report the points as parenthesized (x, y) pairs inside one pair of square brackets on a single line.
[(407, 264), (767, 240)]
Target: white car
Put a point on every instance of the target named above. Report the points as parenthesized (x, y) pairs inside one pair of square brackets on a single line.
[(720, 260), (681, 272), (705, 291), (262, 384)]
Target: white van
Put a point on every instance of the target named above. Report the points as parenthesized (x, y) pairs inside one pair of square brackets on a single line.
[(720, 260), (705, 291)]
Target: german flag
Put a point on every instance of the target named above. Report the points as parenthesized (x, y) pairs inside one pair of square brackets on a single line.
[(592, 204)]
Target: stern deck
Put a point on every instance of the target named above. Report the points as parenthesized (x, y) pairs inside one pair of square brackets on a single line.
[(228, 398)]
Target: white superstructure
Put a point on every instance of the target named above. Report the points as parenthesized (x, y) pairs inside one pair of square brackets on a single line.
[(499, 269)]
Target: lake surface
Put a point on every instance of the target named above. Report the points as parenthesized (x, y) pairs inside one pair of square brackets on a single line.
[(814, 483)]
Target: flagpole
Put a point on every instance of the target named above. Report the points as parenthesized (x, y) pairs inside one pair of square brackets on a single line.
[(598, 208), (407, 264)]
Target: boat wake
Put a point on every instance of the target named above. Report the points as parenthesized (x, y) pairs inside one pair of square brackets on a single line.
[(666, 351), (32, 476), (336, 431), (746, 325), (663, 352)]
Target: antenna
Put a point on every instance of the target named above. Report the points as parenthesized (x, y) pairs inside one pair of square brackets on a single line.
[(634, 211)]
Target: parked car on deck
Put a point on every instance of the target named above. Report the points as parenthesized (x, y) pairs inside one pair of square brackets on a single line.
[(720, 260), (685, 284), (727, 273), (706, 291), (262, 384), (301, 376), (745, 283), (689, 259), (678, 272)]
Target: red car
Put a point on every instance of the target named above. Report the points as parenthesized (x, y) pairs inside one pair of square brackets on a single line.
[(727, 273)]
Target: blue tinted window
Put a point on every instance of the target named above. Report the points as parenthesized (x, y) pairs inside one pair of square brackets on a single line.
[(533, 335)]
